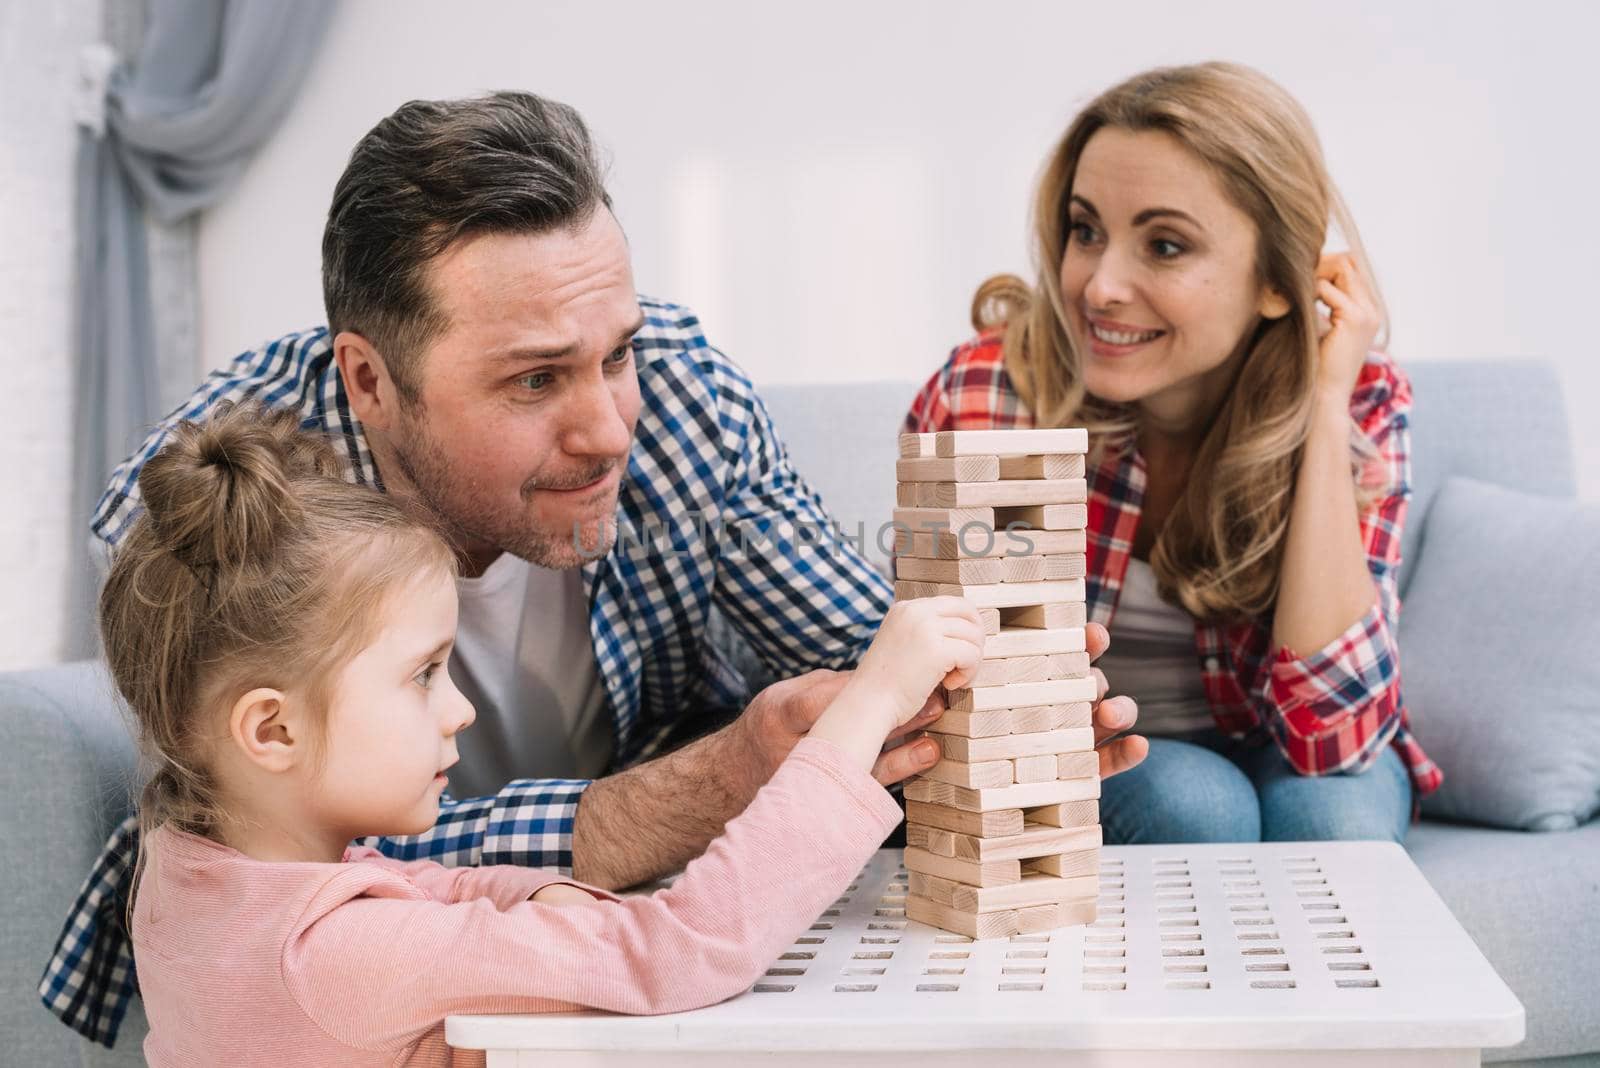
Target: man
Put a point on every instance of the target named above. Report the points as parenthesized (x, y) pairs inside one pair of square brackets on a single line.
[(488, 360)]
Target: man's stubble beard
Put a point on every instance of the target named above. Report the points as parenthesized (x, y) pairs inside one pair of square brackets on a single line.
[(463, 520)]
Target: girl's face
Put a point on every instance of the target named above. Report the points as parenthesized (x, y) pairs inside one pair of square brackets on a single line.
[(393, 721), (1158, 279)]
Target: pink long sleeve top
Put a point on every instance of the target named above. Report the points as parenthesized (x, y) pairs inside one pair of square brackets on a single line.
[(247, 962)]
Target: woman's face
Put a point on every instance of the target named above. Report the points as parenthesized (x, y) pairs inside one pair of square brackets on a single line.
[(1158, 278)]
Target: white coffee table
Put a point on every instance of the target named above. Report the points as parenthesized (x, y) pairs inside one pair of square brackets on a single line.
[(1325, 953)]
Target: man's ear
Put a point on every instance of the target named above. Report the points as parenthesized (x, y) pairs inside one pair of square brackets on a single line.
[(367, 382), (269, 729), (1274, 305)]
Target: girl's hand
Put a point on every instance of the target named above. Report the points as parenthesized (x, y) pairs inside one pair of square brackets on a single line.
[(1353, 325), (561, 894), (922, 643)]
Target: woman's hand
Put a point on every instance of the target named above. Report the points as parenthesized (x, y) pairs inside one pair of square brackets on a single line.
[(1112, 716), (1353, 325)]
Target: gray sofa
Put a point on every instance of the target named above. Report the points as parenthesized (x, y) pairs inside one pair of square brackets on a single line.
[(1528, 899)]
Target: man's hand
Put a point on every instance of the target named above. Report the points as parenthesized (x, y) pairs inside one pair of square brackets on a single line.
[(779, 716)]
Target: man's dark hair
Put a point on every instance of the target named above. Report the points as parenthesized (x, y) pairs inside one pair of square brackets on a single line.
[(430, 174)]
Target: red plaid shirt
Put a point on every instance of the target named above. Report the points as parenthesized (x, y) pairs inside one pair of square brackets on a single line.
[(1330, 711)]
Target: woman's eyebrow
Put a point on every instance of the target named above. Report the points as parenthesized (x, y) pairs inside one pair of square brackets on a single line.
[(1144, 216), (1156, 213)]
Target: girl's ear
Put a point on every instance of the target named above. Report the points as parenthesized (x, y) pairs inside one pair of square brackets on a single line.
[(1274, 305), (265, 726)]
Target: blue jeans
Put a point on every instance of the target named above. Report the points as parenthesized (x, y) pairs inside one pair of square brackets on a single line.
[(1210, 788)]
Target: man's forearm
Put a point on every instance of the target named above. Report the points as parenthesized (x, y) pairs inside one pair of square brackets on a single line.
[(651, 820)]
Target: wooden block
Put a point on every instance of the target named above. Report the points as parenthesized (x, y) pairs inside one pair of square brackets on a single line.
[(934, 840), (1037, 840), (952, 469), (1036, 719), (1079, 862), (1015, 669), (1044, 516), (913, 445), (1024, 769), (971, 872), (1061, 717), (1051, 568), (989, 620), (1033, 889), (1050, 917), (1045, 616), (905, 494), (1026, 641), (1011, 746), (972, 542), (1022, 795), (1038, 919), (974, 571), (1067, 666), (992, 824), (1010, 442), (1068, 814), (1001, 494), (985, 773), (1058, 466), (998, 594), (973, 724), (1021, 695), (932, 887), (971, 924), (1022, 569), (1024, 540), (948, 519), (1077, 765)]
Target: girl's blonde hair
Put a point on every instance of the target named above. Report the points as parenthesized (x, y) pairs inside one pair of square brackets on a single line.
[(253, 563), (1219, 551)]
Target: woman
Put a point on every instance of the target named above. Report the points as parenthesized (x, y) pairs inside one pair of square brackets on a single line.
[(1249, 457)]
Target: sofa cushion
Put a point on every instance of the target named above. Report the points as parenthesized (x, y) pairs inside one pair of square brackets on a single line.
[(1500, 654), (1526, 900)]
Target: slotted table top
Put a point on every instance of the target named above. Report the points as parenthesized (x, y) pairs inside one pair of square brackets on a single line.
[(1250, 952)]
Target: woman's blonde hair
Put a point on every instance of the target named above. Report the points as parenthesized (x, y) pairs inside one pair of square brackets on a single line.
[(1218, 553), (253, 563)]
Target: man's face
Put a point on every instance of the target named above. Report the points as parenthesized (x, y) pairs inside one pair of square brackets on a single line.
[(529, 397)]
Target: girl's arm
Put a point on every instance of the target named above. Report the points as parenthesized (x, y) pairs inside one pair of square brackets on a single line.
[(503, 884), (377, 972)]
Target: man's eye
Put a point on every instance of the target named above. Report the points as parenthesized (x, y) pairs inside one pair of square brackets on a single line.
[(534, 382), (622, 354)]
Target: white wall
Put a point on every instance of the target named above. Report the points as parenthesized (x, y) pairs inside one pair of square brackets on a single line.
[(826, 182), (38, 68)]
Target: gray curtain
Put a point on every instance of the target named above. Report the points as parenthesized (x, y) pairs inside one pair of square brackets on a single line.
[(210, 83)]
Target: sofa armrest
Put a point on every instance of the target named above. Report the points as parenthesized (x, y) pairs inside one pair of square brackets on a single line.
[(67, 773)]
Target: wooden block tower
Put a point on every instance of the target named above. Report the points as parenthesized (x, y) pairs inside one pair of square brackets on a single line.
[(1003, 834)]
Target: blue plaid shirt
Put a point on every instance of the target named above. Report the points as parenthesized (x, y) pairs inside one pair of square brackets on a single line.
[(707, 466)]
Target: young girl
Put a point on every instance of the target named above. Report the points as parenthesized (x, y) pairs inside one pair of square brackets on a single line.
[(1250, 470), (281, 637)]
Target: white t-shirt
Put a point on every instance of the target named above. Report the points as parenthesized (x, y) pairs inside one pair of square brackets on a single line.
[(524, 658), (1152, 658)]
